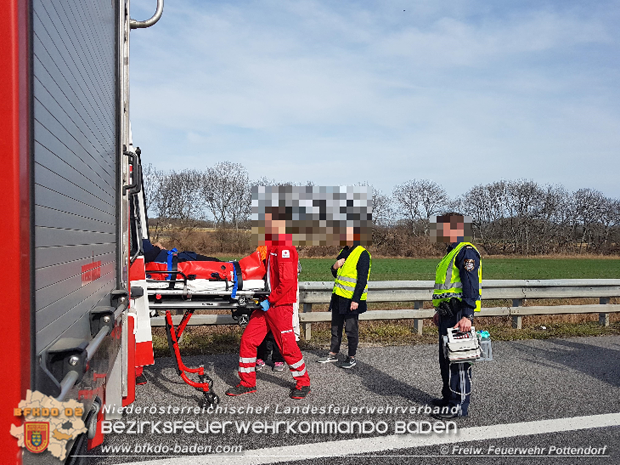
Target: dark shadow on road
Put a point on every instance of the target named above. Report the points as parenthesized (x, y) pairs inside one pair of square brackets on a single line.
[(225, 368), (383, 384), (600, 363), (164, 373)]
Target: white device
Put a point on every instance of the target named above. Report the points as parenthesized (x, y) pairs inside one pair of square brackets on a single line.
[(461, 347)]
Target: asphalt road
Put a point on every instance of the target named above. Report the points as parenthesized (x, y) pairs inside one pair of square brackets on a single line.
[(546, 396)]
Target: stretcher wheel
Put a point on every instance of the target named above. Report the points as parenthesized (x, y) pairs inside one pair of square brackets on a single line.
[(206, 379), (244, 320), (211, 398)]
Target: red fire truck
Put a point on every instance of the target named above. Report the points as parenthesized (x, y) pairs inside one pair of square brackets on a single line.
[(66, 160)]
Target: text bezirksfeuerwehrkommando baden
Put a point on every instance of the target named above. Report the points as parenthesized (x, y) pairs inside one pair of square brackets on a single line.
[(329, 420)]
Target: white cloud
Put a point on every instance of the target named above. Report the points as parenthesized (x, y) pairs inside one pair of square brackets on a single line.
[(340, 92)]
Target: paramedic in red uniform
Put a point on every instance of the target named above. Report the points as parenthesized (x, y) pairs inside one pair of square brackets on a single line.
[(276, 312)]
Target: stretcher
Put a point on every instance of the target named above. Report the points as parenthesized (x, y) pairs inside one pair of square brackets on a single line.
[(204, 285)]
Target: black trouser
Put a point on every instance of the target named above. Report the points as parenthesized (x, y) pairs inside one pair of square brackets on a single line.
[(457, 376), (351, 328), (269, 346)]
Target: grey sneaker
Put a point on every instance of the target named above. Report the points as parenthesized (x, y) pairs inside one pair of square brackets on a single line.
[(349, 363), (329, 359), (239, 390), (278, 366), (300, 392)]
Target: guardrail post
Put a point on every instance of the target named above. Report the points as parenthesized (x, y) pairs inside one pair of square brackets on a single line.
[(418, 323), (517, 320), (603, 318), (307, 326)]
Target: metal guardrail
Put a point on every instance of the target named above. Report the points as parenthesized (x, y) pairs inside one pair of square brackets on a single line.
[(418, 292)]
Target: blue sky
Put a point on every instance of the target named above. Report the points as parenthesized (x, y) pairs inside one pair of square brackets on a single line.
[(340, 92)]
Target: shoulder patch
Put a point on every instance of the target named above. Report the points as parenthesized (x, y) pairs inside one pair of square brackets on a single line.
[(286, 253), (469, 264)]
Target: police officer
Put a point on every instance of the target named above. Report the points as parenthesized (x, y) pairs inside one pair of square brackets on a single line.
[(456, 297), (351, 272)]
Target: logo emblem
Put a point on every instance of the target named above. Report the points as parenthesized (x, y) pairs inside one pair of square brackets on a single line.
[(37, 436), (286, 254), (47, 424), (469, 264)]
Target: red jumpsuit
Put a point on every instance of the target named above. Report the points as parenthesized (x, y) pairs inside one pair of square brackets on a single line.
[(282, 278)]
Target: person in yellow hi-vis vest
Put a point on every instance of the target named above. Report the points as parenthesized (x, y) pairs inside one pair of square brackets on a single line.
[(351, 272), (456, 297)]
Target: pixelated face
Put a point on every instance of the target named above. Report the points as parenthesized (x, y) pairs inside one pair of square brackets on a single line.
[(350, 235), (450, 228), (312, 215), (274, 227)]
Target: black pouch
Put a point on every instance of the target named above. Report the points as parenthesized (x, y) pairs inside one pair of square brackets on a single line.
[(455, 305), (450, 308), (445, 310)]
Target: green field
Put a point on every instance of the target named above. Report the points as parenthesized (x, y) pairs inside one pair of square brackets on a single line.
[(391, 269)]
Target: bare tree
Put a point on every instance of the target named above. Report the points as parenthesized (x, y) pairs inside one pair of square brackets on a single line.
[(419, 199), (522, 217), (517, 216), (485, 204), (382, 209), (555, 220), (225, 189), (611, 221), (265, 181), (179, 198), (590, 206), (151, 177), (174, 196), (596, 217), (523, 210)]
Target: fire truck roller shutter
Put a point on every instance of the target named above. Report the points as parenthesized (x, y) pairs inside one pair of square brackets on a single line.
[(75, 149)]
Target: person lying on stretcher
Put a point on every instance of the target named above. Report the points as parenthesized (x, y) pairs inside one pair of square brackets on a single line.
[(197, 266), (158, 253)]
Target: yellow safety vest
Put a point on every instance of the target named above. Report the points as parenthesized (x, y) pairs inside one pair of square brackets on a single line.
[(346, 277), (448, 279)]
